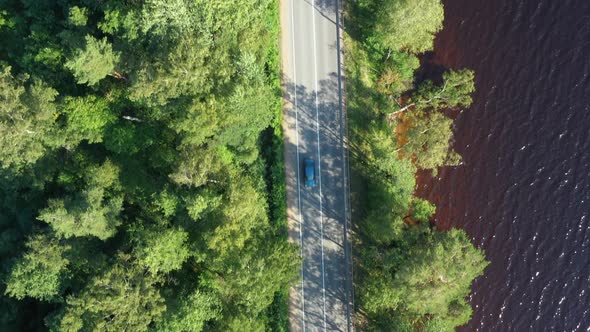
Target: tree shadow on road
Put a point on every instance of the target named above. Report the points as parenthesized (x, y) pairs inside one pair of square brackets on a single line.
[(320, 122)]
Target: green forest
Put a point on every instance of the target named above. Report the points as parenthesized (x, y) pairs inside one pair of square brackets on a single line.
[(409, 276), (141, 175), (142, 179)]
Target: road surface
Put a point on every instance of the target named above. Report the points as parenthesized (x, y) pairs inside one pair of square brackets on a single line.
[(314, 127)]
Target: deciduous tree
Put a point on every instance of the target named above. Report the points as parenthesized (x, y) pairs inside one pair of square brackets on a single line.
[(437, 276), (397, 76), (409, 24), (426, 285), (87, 118), (422, 210), (429, 139), (161, 250), (190, 312), (388, 201), (455, 91), (78, 16)]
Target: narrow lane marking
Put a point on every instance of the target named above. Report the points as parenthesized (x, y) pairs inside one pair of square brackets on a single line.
[(298, 166), (315, 64)]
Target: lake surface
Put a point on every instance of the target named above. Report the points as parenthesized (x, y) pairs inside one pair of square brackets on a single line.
[(523, 193)]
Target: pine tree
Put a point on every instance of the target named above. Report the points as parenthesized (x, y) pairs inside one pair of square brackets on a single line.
[(40, 272), (26, 119), (94, 62)]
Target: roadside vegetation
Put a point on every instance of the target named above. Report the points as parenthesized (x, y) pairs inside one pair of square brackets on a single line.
[(409, 276), (141, 172)]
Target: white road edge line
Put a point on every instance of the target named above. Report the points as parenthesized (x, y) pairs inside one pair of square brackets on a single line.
[(315, 65), (298, 166), (346, 174)]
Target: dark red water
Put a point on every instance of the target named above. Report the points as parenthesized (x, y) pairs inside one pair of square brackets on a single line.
[(524, 192)]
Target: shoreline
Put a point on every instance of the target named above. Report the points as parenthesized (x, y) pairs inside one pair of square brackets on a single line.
[(389, 217)]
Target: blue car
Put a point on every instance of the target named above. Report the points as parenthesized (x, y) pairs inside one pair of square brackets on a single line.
[(309, 171)]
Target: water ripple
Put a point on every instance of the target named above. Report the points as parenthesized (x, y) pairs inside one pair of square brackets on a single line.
[(523, 192)]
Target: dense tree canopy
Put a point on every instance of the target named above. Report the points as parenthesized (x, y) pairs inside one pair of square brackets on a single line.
[(134, 192), (27, 112), (428, 284), (162, 250), (429, 139), (132, 184), (410, 276), (439, 274), (398, 74), (40, 271), (87, 118), (123, 298), (94, 210), (409, 25), (94, 62), (422, 210), (454, 91), (190, 312), (389, 200), (428, 132)]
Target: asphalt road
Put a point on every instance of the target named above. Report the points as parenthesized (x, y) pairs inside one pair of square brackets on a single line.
[(314, 128)]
